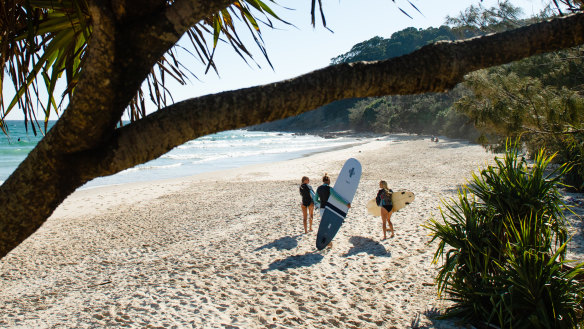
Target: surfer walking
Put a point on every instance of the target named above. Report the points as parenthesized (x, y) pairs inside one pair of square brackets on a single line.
[(307, 203), (324, 192), (383, 200)]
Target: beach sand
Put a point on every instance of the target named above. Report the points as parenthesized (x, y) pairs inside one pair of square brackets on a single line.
[(227, 249)]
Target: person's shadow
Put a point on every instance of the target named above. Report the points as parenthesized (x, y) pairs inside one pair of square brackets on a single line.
[(366, 245), (295, 261), (284, 243)]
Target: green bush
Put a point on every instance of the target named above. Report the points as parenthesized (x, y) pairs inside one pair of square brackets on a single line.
[(503, 245), (573, 153)]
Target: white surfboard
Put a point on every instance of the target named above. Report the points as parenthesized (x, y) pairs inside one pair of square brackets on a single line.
[(400, 199), (313, 196), (373, 208), (335, 211)]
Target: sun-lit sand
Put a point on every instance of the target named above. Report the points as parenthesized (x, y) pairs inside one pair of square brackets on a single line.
[(227, 249)]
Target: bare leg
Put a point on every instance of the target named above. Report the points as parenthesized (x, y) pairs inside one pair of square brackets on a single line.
[(311, 210), (390, 224), (304, 215), (383, 220)]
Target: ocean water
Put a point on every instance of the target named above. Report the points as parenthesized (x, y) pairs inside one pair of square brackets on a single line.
[(15, 146), (224, 150)]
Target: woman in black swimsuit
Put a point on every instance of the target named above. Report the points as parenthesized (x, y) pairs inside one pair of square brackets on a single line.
[(323, 192), (383, 200), (307, 203)]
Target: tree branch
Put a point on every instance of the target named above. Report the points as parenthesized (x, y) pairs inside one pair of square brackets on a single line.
[(434, 68), (120, 57), (99, 73), (162, 31), (185, 13)]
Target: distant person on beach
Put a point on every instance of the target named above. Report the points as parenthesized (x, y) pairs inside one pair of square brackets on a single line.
[(324, 191), (383, 200), (307, 203)]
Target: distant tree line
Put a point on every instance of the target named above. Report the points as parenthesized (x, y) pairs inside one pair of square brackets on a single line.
[(433, 113), (422, 114)]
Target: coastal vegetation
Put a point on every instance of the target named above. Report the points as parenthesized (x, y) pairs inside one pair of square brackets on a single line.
[(428, 113), (540, 98), (503, 246)]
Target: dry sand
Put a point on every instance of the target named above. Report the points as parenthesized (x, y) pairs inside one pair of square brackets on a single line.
[(227, 249)]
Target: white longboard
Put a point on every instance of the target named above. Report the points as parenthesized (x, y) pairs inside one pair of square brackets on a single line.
[(373, 208), (400, 199), (335, 210)]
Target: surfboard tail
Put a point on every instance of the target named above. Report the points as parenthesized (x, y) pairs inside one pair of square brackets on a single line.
[(322, 243)]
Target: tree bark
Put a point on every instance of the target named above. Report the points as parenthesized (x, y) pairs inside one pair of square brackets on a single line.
[(84, 144), (434, 68)]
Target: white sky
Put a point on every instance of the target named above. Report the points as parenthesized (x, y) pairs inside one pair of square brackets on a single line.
[(297, 50)]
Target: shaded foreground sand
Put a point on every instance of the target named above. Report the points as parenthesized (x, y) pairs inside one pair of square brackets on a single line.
[(226, 249)]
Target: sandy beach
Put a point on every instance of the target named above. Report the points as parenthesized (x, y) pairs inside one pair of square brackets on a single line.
[(227, 249)]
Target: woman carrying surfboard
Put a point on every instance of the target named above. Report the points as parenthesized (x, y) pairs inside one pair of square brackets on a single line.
[(307, 203), (383, 200), (323, 193)]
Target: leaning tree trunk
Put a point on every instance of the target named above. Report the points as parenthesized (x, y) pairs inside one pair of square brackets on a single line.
[(69, 156)]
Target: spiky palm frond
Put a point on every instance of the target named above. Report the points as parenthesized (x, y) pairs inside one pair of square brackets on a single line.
[(40, 40), (542, 293), (514, 188), (223, 26), (503, 244), (571, 5)]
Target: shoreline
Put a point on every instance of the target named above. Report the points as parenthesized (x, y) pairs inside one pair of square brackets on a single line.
[(215, 152), (145, 190), (235, 162), (227, 249)]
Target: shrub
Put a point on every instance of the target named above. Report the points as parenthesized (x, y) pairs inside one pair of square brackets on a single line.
[(503, 244)]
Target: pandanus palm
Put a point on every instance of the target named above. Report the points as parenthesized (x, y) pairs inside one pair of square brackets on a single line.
[(42, 40), (503, 244)]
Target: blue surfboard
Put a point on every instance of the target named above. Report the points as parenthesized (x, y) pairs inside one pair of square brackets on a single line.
[(335, 209)]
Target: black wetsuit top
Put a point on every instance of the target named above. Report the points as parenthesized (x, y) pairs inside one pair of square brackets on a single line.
[(306, 197), (387, 207), (324, 192)]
